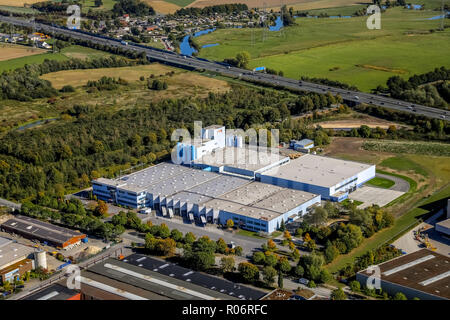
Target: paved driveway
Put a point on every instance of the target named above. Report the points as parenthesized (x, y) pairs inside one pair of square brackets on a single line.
[(372, 195)]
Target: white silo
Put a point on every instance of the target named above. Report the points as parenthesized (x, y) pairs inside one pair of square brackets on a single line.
[(40, 259)]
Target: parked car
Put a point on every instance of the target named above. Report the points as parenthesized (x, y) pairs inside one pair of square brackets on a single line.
[(303, 281)]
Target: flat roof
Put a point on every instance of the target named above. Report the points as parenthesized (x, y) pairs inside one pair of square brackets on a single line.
[(39, 229), (150, 280), (15, 266), (56, 291), (318, 170), (221, 286), (444, 223), (242, 158), (11, 251), (423, 270), (260, 200), (113, 289)]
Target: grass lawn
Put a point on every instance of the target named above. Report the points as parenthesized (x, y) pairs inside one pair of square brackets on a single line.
[(422, 209), (402, 163), (405, 196), (381, 183), (90, 4), (247, 233), (362, 57)]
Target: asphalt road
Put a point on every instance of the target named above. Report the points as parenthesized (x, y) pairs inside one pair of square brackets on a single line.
[(198, 63)]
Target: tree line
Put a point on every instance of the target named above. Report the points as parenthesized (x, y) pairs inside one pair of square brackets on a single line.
[(221, 8)]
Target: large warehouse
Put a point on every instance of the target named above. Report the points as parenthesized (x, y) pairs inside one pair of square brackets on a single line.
[(423, 274), (42, 231), (332, 178), (211, 196)]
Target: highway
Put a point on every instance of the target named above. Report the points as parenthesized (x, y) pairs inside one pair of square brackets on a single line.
[(189, 62)]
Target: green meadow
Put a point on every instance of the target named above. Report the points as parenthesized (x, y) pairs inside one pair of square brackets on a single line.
[(342, 49)]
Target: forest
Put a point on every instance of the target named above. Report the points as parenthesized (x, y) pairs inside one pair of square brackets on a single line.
[(221, 8)]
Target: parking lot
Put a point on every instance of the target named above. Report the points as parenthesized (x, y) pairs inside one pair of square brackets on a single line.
[(371, 195)]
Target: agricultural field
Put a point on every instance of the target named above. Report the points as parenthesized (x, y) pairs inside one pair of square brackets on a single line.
[(180, 3), (358, 56), (164, 7), (17, 3), (17, 9), (11, 51), (417, 147), (90, 4), (41, 55)]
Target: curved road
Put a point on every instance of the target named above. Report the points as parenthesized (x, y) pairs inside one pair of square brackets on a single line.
[(193, 63), (399, 183)]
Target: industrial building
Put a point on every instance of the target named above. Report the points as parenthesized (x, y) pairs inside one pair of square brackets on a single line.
[(304, 145), (44, 232), (56, 291), (14, 260), (424, 274), (208, 170), (444, 226), (332, 178), (208, 196)]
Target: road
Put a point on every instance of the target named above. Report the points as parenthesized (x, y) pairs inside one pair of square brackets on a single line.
[(195, 63), (399, 183)]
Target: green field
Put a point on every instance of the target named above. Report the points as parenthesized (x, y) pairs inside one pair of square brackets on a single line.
[(181, 3), (365, 58), (381, 183), (20, 62), (66, 53), (89, 4), (401, 163), (18, 9)]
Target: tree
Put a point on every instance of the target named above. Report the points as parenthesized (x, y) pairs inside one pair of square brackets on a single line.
[(355, 286), (101, 209), (227, 264), (176, 235), (282, 225), (287, 235), (271, 245), (330, 252), (280, 280), (259, 257), (316, 217), (189, 238), (338, 294), (299, 271), (230, 223), (166, 247), (400, 296), (284, 265), (221, 246), (164, 231), (242, 59), (249, 272), (271, 259), (199, 260), (98, 3), (238, 250), (269, 274)]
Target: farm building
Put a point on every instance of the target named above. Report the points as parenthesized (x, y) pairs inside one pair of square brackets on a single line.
[(424, 274), (44, 232), (332, 178)]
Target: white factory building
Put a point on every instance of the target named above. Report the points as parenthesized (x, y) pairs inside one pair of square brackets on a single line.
[(220, 178)]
